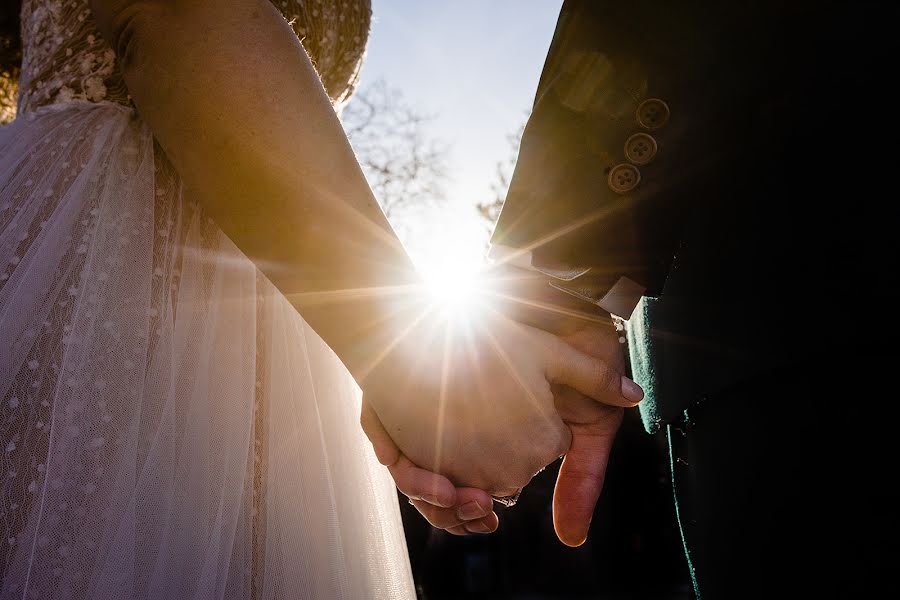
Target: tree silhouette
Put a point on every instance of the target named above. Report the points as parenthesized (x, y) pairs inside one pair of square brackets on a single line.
[(404, 165)]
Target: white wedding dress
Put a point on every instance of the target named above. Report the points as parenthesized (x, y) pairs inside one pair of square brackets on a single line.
[(171, 427)]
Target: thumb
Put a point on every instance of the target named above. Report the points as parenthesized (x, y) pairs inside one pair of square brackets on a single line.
[(589, 375), (580, 481), (385, 449)]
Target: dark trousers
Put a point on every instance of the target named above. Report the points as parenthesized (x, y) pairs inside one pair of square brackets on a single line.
[(786, 485)]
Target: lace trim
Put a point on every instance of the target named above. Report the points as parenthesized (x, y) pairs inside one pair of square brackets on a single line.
[(67, 60)]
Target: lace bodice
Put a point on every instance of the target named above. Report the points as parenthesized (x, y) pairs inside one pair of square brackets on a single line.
[(66, 59)]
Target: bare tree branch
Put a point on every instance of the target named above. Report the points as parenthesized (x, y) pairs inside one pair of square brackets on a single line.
[(404, 165)]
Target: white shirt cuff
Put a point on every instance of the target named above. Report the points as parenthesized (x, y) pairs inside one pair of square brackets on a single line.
[(622, 298)]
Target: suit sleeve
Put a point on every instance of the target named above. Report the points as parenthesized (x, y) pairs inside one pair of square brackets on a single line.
[(593, 183)]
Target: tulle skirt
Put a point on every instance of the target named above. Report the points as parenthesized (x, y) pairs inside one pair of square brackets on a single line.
[(171, 427)]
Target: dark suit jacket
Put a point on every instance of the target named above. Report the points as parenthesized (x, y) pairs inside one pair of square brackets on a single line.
[(765, 227)]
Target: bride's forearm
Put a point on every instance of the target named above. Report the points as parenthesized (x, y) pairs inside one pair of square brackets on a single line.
[(232, 97)]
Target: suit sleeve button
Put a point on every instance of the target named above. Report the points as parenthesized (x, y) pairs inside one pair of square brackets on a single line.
[(640, 148), (623, 178), (652, 113)]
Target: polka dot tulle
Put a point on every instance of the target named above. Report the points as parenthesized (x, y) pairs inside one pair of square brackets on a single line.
[(171, 427)]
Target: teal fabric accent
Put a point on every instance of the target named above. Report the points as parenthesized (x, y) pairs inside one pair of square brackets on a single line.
[(644, 365), (687, 552)]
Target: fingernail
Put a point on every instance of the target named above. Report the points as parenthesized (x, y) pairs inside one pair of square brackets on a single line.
[(631, 390), (470, 510), (477, 527), (436, 500)]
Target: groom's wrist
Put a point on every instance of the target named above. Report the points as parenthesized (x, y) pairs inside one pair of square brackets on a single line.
[(615, 294), (530, 297), (558, 296)]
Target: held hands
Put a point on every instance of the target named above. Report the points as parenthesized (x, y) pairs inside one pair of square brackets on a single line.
[(491, 406)]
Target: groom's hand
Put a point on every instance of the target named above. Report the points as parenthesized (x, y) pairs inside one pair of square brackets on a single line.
[(526, 296), (593, 428)]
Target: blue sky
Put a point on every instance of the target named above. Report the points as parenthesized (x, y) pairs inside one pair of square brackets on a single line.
[(474, 65)]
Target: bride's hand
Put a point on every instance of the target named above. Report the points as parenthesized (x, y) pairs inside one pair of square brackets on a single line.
[(459, 511), (474, 402)]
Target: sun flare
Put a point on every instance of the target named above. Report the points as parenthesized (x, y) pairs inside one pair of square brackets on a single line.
[(450, 258), (451, 286)]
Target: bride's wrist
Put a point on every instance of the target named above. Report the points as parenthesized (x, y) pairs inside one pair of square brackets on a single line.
[(362, 325)]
